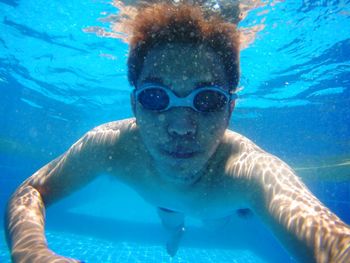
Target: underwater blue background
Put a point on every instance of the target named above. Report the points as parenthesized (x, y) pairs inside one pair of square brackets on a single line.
[(57, 82)]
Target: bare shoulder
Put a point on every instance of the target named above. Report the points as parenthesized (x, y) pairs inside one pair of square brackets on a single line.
[(102, 139), (125, 124), (239, 144), (110, 132), (90, 156), (245, 159)]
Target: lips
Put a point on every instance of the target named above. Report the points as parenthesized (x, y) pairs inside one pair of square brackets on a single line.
[(180, 153)]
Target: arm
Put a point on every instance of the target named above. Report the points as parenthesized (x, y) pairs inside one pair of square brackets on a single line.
[(301, 222), (25, 215)]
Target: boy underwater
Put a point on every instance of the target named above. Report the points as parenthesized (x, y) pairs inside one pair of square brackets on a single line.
[(178, 152)]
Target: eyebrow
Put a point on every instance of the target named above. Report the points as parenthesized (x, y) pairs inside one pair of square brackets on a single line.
[(198, 85), (153, 80), (215, 82)]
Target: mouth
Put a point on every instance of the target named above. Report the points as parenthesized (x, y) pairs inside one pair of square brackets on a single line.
[(180, 153)]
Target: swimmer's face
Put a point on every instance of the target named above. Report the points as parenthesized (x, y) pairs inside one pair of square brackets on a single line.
[(180, 139)]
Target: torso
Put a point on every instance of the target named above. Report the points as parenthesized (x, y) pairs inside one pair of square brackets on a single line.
[(216, 194)]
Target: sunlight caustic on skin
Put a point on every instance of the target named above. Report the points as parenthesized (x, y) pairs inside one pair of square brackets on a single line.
[(285, 196), (31, 229), (290, 200)]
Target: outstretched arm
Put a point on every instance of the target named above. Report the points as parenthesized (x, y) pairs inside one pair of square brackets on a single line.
[(25, 216), (307, 228)]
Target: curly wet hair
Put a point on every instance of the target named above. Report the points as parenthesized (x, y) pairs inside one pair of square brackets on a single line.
[(163, 23)]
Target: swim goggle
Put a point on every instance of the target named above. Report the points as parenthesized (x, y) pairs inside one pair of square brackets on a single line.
[(156, 97)]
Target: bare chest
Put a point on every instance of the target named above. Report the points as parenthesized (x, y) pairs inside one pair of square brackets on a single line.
[(208, 198)]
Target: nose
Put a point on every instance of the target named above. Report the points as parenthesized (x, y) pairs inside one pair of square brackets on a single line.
[(182, 125)]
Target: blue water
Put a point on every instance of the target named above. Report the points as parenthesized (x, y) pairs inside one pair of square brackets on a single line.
[(57, 82)]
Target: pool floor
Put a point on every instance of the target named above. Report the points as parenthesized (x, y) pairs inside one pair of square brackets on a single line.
[(95, 250)]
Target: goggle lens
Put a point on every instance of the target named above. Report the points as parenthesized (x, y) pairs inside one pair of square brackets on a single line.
[(154, 99), (209, 101)]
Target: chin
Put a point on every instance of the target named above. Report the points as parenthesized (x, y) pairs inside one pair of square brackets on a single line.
[(181, 173), (179, 169), (181, 179)]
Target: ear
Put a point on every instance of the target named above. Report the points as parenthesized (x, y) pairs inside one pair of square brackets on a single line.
[(133, 103)]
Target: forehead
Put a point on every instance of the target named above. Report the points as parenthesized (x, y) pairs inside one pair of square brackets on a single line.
[(183, 63)]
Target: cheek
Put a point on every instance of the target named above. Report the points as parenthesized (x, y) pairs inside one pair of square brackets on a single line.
[(150, 124), (214, 124)]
